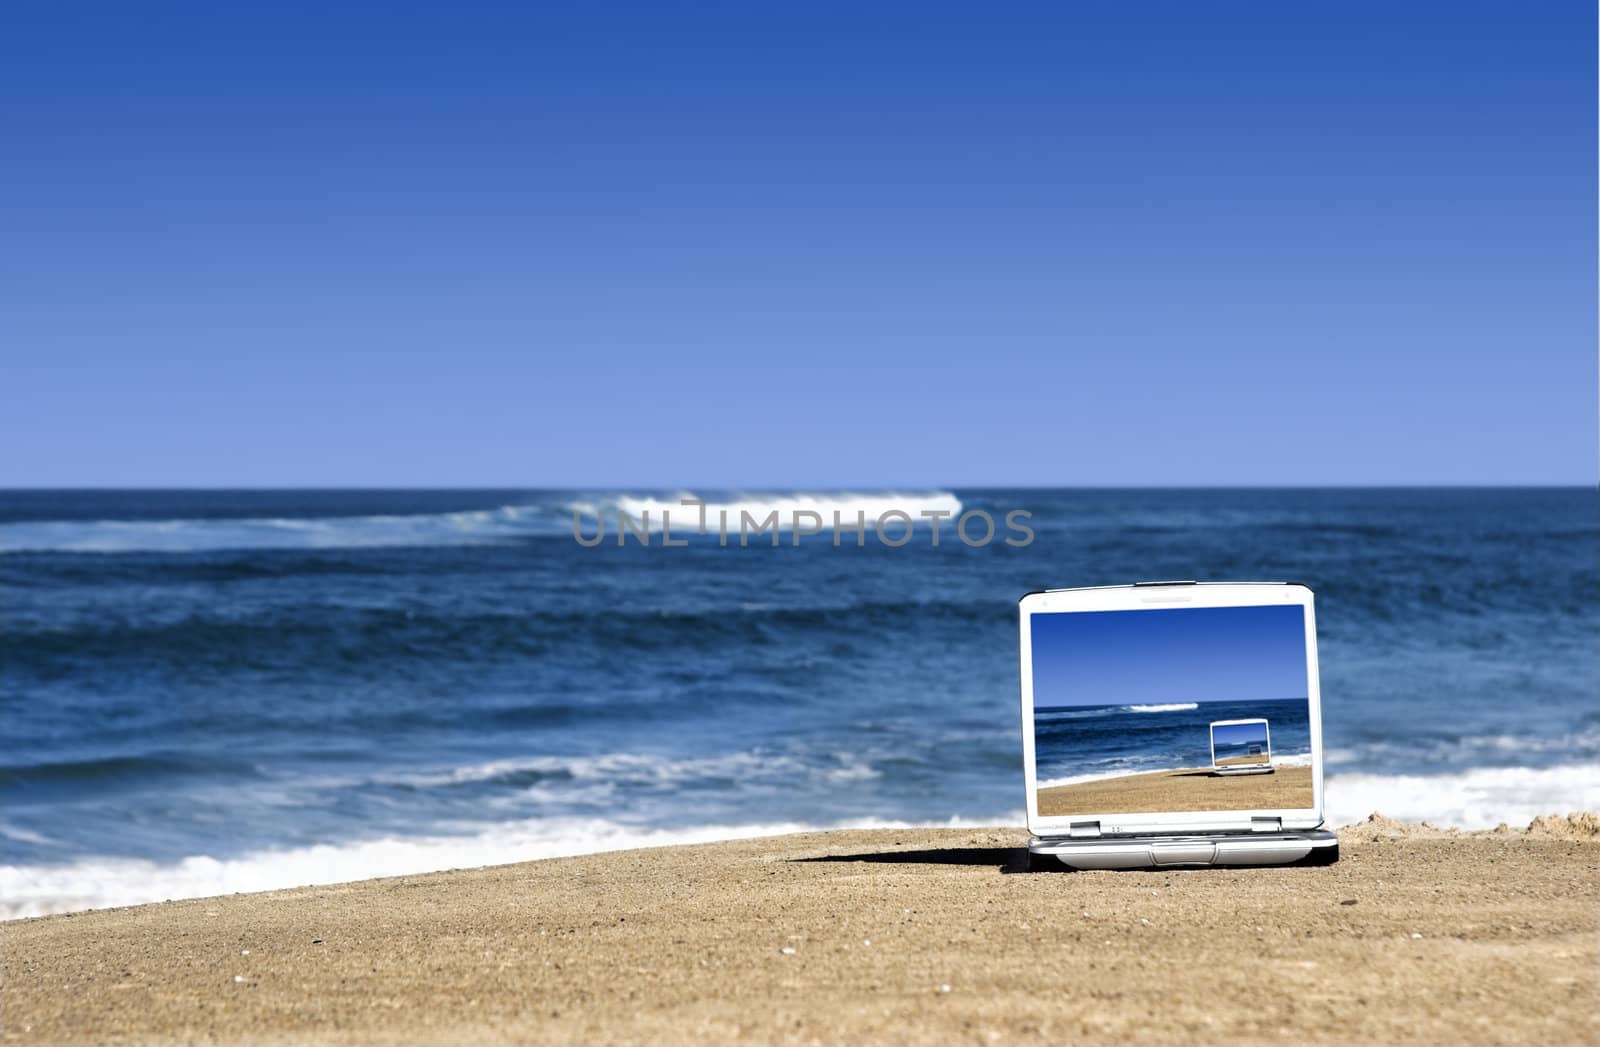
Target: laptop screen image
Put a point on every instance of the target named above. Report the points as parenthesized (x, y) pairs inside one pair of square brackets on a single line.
[(1241, 745), (1186, 709)]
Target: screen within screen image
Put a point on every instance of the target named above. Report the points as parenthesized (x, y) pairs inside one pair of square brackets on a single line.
[(1177, 709)]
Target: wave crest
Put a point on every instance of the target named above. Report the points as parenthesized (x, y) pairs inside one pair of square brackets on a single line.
[(1089, 712), (467, 527), (851, 507), (511, 522)]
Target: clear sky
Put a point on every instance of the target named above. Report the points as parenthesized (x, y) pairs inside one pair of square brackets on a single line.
[(1167, 656), (768, 245)]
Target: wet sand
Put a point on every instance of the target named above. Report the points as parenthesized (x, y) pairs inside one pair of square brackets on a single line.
[(1185, 789), (885, 936)]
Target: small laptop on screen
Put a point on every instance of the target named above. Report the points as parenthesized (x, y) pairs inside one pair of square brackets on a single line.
[(1173, 723)]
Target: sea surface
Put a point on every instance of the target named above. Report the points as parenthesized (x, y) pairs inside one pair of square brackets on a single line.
[(213, 691), (1088, 742)]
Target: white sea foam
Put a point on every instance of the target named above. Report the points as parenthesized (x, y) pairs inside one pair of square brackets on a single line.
[(1098, 776), (1475, 799), (21, 835), (852, 507), (1480, 798), (468, 527), (464, 527), (99, 883), (1069, 713)]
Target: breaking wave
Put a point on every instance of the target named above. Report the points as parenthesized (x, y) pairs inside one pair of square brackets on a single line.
[(1479, 798), (37, 890), (505, 523)]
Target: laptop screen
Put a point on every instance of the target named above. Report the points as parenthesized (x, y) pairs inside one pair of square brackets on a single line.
[(1171, 709)]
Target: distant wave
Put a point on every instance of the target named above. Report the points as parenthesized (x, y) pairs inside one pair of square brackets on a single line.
[(1114, 710), (466, 527), (37, 890), (851, 507)]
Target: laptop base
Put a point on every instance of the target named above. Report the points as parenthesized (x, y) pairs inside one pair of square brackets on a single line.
[(1313, 847)]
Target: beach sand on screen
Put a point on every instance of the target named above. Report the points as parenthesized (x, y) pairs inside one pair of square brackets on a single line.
[(1184, 789)]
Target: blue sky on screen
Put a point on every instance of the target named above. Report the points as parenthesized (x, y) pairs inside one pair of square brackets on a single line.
[(1239, 733), (1168, 656), (770, 245)]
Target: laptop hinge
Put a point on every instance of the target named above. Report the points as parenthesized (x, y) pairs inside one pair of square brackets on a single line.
[(1083, 830), (1266, 825)]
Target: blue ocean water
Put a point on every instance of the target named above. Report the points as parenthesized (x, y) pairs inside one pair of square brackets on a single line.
[(1102, 741), (210, 691)]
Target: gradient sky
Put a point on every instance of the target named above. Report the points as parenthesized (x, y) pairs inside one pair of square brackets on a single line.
[(790, 246), (1171, 655)]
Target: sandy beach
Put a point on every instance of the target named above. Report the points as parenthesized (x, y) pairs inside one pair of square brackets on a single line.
[(1184, 789), (887, 936)]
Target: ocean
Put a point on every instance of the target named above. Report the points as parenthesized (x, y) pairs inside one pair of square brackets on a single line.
[(214, 691), (1088, 742)]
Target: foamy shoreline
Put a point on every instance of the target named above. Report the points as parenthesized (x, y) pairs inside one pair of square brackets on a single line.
[(108, 882), (883, 936)]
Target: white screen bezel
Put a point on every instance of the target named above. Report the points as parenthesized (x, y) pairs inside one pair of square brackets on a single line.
[(1153, 598)]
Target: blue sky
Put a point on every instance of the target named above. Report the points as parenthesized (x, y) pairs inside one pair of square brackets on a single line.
[(1167, 656), (818, 245), (1238, 734)]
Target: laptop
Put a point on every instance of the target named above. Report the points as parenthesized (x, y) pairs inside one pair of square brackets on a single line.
[(1173, 724), (1246, 747)]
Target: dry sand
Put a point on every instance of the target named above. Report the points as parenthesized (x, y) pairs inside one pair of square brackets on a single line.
[(1185, 789), (887, 936)]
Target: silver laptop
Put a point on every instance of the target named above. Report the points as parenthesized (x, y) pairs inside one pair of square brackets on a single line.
[(1173, 723), (1246, 746)]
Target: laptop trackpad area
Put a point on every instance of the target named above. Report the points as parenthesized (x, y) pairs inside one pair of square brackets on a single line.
[(1187, 852)]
